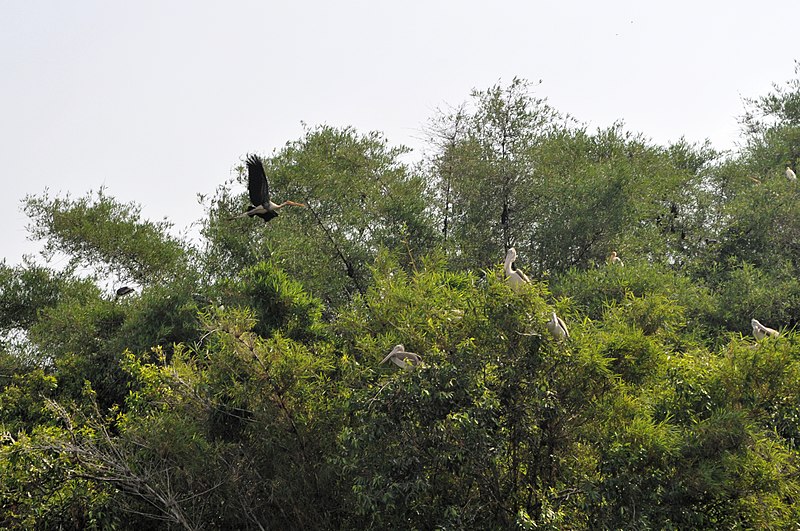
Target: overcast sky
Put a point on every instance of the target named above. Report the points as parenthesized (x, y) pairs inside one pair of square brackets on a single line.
[(159, 100)]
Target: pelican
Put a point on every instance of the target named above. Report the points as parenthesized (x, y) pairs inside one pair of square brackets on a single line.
[(761, 331), (124, 290), (614, 259), (401, 358), (557, 327), (515, 276), (258, 187)]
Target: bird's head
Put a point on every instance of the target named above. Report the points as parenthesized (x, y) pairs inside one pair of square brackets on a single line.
[(511, 255), (754, 323), (391, 355)]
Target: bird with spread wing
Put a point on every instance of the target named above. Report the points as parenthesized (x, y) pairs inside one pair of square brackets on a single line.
[(262, 206)]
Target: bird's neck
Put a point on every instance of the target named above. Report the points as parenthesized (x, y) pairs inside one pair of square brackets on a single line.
[(509, 266)]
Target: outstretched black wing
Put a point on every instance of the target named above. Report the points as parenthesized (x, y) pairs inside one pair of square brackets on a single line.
[(268, 215), (257, 181)]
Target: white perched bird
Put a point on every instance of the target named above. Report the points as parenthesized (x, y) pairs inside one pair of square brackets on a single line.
[(761, 331), (614, 259), (515, 277), (401, 358), (557, 327), (790, 174)]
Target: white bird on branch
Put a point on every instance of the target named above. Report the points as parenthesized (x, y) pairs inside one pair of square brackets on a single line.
[(557, 327), (515, 277), (790, 174), (761, 331), (401, 358), (258, 187)]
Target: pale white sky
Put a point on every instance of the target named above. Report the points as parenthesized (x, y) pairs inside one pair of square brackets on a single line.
[(158, 100)]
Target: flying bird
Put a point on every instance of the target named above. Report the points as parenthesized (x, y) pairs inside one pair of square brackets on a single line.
[(761, 331), (790, 174), (557, 327), (614, 259), (258, 187), (401, 358), (515, 276), (124, 290)]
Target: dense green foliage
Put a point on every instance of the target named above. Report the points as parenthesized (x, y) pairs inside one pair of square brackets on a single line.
[(241, 386)]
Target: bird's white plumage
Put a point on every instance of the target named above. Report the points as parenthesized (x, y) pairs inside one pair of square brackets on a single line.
[(557, 327), (790, 174), (615, 260), (760, 331), (401, 358), (515, 277)]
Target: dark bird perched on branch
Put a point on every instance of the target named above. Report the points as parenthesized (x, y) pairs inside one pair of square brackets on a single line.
[(258, 187), (124, 290)]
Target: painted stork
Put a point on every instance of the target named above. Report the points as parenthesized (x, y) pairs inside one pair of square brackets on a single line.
[(614, 259), (761, 331), (790, 174), (258, 187), (557, 327), (515, 277), (401, 358)]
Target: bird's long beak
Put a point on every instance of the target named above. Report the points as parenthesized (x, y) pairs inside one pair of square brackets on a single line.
[(294, 204)]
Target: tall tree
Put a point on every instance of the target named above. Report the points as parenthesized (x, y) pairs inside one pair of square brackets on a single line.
[(487, 168), (512, 172), (359, 196), (99, 232)]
